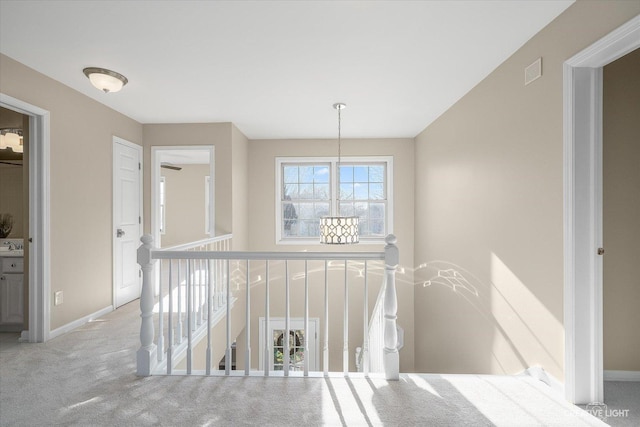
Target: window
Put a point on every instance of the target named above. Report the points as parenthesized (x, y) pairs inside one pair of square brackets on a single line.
[(309, 188)]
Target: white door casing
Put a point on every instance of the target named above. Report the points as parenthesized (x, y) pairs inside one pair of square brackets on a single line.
[(127, 220), (39, 218), (583, 302), (170, 153)]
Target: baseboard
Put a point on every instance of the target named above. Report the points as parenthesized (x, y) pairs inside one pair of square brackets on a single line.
[(622, 375), (79, 322), (542, 375)]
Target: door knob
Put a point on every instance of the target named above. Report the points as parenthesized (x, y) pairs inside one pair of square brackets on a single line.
[(120, 232)]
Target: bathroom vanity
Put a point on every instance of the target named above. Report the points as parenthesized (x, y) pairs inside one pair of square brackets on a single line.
[(11, 285)]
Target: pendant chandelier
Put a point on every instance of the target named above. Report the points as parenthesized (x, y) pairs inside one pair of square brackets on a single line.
[(339, 230)]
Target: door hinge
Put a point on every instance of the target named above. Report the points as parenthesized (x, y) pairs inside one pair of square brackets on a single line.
[(139, 220), (139, 273), (139, 166), (600, 251)]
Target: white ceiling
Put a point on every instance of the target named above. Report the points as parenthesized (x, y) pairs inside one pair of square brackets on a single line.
[(275, 68), (184, 156)]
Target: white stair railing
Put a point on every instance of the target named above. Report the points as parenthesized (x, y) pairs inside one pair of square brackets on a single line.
[(204, 279), (181, 302)]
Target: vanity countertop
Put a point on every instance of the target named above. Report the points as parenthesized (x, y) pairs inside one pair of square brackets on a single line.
[(6, 244), (12, 254)]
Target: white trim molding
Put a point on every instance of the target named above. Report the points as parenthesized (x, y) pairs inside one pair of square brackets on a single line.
[(39, 218), (79, 322), (539, 373), (582, 100), (622, 375), (156, 159)]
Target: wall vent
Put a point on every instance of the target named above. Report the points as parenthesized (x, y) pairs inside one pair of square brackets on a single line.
[(533, 71)]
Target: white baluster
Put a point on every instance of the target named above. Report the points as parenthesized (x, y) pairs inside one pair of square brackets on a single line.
[(160, 317), (146, 355), (179, 331), (216, 284), (209, 309), (190, 317), (306, 319), (287, 320), (201, 301), (267, 333), (325, 348), (170, 321), (345, 347), (227, 354), (193, 314), (391, 355), (365, 344), (247, 351)]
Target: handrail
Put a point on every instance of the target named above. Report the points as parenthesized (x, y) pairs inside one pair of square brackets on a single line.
[(197, 243), (270, 256)]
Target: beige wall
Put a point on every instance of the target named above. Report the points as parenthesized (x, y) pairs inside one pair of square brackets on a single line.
[(216, 134), (184, 204), (262, 155), (240, 189), (489, 208), (81, 179), (621, 203)]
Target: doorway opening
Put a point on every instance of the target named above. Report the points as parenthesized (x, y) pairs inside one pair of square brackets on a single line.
[(36, 239), (14, 220), (182, 194), (583, 266)]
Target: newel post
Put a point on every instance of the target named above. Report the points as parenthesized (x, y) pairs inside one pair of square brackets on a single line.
[(391, 355), (146, 356)]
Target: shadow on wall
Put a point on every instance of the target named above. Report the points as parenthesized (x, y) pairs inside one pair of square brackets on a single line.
[(506, 331)]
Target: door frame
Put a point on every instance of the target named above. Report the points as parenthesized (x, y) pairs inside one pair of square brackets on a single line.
[(155, 186), (39, 218), (139, 149), (582, 143)]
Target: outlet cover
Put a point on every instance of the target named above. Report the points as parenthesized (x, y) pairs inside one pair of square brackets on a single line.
[(57, 300)]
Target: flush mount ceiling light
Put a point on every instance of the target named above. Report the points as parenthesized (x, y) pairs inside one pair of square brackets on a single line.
[(339, 230), (105, 80)]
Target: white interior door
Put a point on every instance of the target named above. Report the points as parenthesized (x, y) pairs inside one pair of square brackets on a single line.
[(127, 220)]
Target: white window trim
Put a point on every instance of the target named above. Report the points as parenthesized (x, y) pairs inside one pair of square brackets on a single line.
[(334, 188)]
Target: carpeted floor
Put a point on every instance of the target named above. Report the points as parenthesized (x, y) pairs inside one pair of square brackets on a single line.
[(87, 378)]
